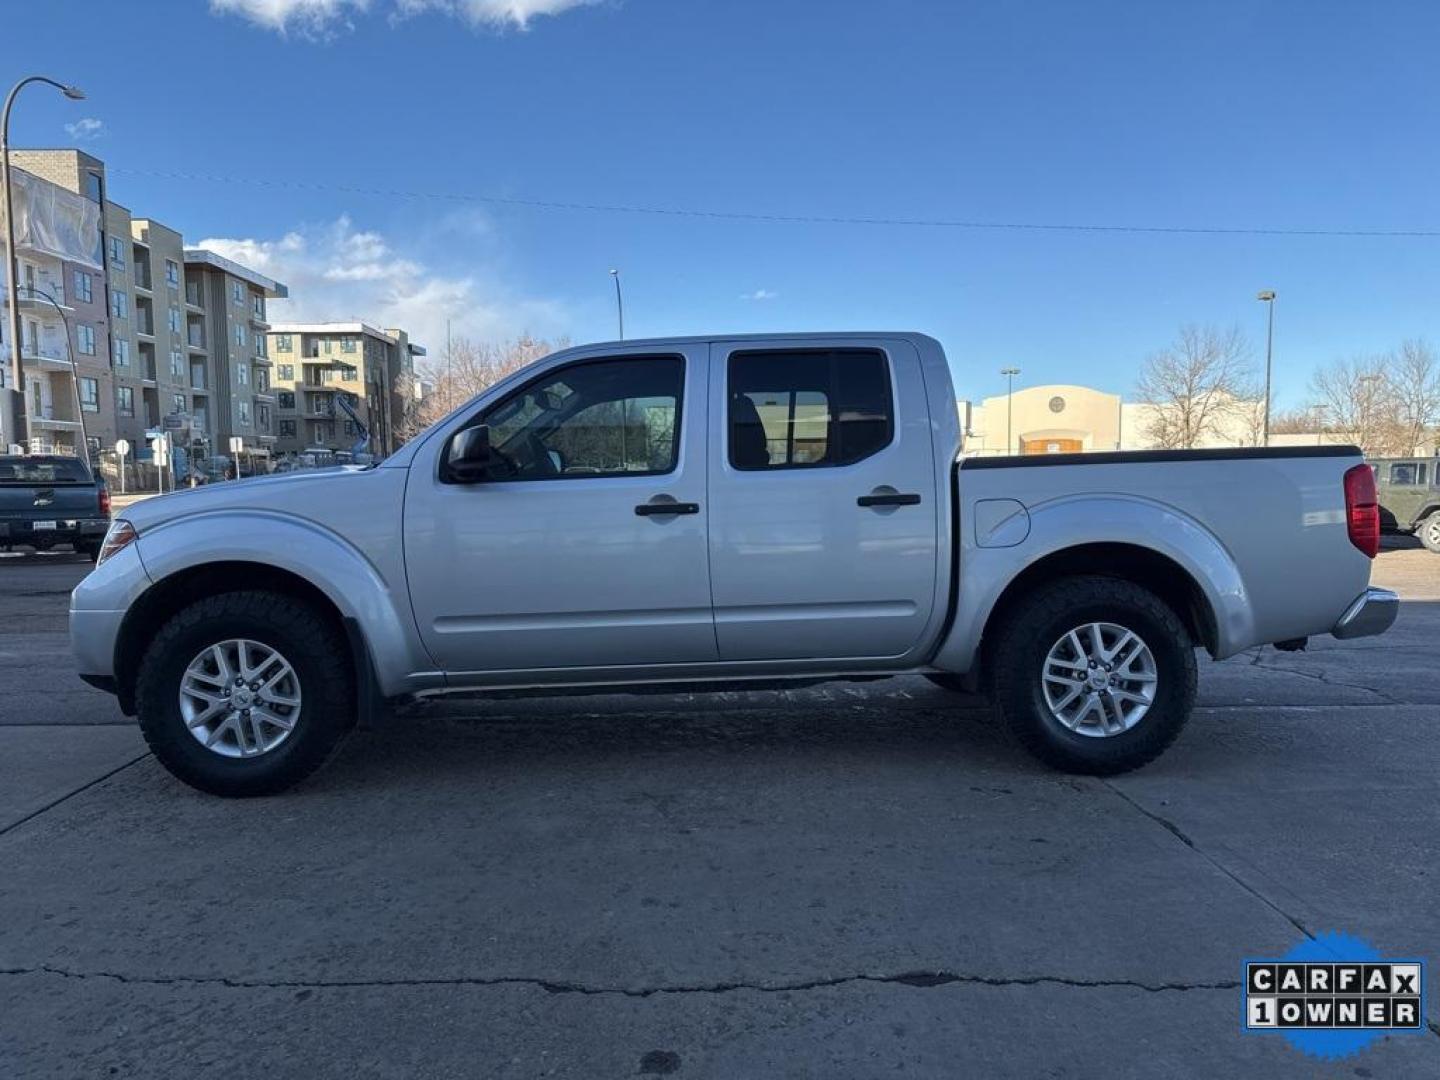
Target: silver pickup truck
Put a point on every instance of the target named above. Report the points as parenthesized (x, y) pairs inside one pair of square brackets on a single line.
[(703, 511)]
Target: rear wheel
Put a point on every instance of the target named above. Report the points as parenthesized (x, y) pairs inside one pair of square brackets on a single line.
[(1093, 674), (245, 693), (1429, 532)]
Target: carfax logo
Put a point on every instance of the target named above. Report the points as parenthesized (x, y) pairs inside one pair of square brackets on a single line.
[(1334, 995)]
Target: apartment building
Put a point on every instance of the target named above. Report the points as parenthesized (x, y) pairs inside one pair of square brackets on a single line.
[(226, 329), (58, 256), (333, 379)]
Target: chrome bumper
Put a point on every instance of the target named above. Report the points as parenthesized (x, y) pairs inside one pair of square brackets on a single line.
[(1373, 612)]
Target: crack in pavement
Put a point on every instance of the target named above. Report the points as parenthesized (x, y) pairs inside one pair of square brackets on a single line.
[(914, 979), (1322, 677)]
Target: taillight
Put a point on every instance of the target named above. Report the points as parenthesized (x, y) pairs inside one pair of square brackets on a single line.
[(104, 502), (1362, 509)]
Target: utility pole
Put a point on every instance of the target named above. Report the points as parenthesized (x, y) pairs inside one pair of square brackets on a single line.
[(1009, 373)]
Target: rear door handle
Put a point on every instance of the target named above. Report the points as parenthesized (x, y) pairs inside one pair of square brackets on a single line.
[(658, 509), (895, 498)]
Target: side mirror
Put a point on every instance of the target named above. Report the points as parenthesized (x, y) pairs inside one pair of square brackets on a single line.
[(469, 458)]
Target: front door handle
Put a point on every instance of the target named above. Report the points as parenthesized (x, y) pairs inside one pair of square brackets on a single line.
[(889, 498), (658, 509)]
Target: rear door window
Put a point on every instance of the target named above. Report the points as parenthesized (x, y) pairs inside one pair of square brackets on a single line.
[(808, 408)]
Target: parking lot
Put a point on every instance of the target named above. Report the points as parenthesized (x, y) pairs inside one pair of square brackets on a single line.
[(851, 880)]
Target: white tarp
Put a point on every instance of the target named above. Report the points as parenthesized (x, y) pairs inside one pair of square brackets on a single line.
[(54, 220)]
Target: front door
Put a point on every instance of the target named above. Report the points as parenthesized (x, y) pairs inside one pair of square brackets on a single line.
[(586, 546), (824, 523)]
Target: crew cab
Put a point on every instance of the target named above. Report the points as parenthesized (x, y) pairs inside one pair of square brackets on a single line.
[(702, 511), (47, 500)]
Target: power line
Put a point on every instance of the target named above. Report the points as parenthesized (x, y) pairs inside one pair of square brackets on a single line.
[(784, 219)]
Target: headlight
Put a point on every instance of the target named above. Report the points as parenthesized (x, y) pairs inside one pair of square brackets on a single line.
[(120, 536)]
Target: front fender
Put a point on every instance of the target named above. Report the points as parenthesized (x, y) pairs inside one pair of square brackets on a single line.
[(321, 557), (1059, 524)]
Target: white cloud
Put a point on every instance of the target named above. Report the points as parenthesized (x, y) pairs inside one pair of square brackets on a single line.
[(496, 13), (337, 272), (322, 18), (308, 18), (86, 129), (759, 294)]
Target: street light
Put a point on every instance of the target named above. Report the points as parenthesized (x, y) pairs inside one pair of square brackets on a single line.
[(74, 370), (74, 93), (1267, 297), (619, 303), (1009, 373)]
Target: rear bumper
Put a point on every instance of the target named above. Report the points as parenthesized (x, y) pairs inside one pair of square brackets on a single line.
[(1373, 612), (66, 531)]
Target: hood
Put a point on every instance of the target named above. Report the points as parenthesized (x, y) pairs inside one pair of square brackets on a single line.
[(286, 493)]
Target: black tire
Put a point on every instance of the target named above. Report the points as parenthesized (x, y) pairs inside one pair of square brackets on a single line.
[(947, 681), (90, 551), (1038, 621), (308, 641), (1429, 532)]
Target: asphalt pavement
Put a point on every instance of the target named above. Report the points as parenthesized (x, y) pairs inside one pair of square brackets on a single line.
[(850, 880)]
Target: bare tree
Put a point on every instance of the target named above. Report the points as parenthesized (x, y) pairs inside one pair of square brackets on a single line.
[(1196, 386), (1413, 375), (1357, 397), (470, 368)]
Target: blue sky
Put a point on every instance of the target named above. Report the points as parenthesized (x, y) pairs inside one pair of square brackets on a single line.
[(1289, 115)]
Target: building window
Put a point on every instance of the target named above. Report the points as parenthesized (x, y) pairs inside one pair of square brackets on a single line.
[(322, 433), (172, 273), (240, 334), (260, 346), (242, 373), (349, 427), (806, 408), (287, 399), (177, 403), (84, 287), (90, 395), (177, 365), (262, 381), (237, 291), (174, 319), (117, 251), (347, 344), (287, 429), (244, 414), (348, 374), (125, 401), (85, 339), (262, 417), (282, 342), (285, 372), (257, 305), (120, 352), (328, 344), (119, 303)]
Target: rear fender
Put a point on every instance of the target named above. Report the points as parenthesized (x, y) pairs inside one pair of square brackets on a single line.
[(1074, 521)]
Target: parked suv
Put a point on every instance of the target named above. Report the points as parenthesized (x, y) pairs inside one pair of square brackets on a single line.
[(1409, 491)]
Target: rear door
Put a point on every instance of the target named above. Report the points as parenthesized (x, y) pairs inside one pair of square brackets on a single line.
[(824, 525)]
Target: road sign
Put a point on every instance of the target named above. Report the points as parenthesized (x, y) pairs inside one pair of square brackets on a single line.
[(237, 444), (176, 421), (122, 446)]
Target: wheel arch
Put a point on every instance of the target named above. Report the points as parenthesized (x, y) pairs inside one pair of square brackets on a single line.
[(1140, 540), (178, 590)]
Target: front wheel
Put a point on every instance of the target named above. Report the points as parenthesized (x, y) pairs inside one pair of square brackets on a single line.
[(245, 693), (1429, 532), (1093, 675)]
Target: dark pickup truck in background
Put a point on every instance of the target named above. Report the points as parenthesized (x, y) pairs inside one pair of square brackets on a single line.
[(47, 500)]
